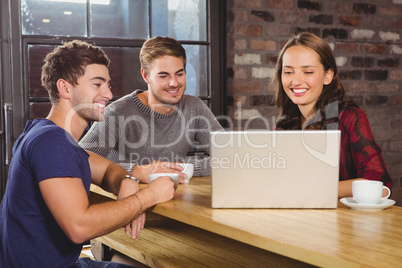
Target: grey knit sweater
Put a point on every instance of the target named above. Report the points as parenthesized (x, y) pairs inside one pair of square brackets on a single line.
[(132, 134)]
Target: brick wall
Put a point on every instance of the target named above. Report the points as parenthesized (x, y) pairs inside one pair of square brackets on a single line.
[(366, 38)]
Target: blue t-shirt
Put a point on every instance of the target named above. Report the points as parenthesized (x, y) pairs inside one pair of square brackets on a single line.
[(29, 235)]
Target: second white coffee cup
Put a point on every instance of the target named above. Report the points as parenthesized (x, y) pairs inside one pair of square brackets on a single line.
[(188, 169), (369, 192)]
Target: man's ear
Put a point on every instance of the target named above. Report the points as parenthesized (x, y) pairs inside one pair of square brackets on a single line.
[(64, 88), (329, 75), (144, 75)]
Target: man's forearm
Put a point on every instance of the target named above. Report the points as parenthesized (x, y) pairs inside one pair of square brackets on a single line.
[(112, 179), (100, 219)]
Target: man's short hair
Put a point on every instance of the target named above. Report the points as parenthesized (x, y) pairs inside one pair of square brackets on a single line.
[(157, 47), (68, 62)]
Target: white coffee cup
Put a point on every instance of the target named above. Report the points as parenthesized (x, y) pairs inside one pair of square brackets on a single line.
[(173, 176), (188, 169), (369, 192)]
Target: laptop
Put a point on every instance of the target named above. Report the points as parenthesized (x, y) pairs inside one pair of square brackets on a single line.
[(275, 169)]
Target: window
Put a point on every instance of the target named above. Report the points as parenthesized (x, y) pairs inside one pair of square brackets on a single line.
[(120, 27)]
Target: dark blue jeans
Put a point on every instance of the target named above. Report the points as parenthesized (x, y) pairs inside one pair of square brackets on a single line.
[(88, 263)]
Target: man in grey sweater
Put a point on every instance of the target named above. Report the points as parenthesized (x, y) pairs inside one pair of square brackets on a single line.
[(152, 131)]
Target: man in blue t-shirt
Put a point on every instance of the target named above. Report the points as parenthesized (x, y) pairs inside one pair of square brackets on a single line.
[(45, 214)]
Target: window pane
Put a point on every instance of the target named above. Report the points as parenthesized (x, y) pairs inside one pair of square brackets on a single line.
[(53, 17), (39, 109), (125, 70), (36, 54), (120, 19), (196, 70), (39, 105), (180, 19)]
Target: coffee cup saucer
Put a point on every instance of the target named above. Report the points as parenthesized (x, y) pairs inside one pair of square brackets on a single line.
[(350, 202)]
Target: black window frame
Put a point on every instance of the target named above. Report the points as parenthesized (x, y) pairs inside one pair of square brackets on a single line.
[(14, 66), (216, 26)]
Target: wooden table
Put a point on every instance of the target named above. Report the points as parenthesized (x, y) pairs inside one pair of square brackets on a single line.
[(339, 237)]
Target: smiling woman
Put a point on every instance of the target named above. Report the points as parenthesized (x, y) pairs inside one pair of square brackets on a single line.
[(303, 77), (310, 96)]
